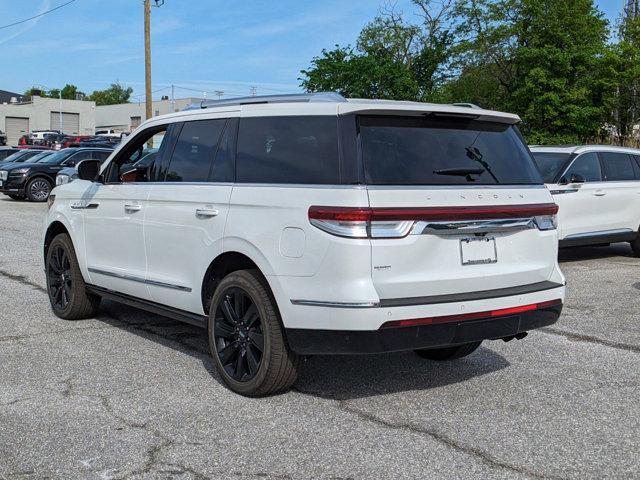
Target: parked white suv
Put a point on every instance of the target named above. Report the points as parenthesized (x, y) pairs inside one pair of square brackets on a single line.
[(311, 224), (598, 191)]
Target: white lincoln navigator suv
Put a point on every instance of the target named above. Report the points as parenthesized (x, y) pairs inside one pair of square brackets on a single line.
[(597, 188), (312, 224)]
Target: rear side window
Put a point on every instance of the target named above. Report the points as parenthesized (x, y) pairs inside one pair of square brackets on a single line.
[(617, 166), (443, 151), (288, 150), (193, 155), (549, 164), (587, 166)]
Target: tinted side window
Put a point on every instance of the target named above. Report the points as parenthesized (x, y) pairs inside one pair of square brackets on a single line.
[(617, 166), (587, 166), (288, 150), (102, 156), (194, 151), (78, 157)]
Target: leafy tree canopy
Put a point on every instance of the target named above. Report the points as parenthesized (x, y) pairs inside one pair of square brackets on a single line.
[(551, 62)]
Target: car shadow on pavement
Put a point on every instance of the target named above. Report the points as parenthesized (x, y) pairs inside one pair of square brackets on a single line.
[(348, 377), (576, 254), (333, 377)]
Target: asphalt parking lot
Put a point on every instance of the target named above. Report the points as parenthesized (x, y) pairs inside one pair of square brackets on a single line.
[(133, 395)]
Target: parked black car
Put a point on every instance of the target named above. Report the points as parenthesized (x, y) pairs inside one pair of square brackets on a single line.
[(3, 138), (22, 155), (6, 151), (35, 181)]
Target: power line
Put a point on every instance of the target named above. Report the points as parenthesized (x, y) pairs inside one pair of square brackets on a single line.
[(37, 16)]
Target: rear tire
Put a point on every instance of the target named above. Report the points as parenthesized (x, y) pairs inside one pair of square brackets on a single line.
[(66, 288), (246, 338), (448, 353), (38, 189)]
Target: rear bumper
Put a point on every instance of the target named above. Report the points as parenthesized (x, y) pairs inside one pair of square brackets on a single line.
[(319, 342)]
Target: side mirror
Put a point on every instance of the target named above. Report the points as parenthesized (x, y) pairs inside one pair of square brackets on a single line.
[(88, 170), (577, 178)]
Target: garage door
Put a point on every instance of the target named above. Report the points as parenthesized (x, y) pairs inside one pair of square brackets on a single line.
[(70, 122), (16, 127)]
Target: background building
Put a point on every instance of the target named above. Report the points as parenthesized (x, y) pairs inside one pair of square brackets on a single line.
[(21, 115), (125, 117), (38, 113)]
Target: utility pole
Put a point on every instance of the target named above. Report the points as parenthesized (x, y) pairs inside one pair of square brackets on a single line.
[(147, 53), (219, 93), (147, 57), (253, 90)]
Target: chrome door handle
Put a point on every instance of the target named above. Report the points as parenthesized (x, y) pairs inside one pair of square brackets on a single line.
[(130, 208), (207, 212), (599, 193)]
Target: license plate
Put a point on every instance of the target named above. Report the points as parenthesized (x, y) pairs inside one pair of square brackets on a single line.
[(478, 250)]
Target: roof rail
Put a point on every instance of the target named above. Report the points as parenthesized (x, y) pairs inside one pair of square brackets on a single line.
[(466, 105), (258, 99)]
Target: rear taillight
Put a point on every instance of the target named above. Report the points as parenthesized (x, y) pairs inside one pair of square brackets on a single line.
[(364, 222)]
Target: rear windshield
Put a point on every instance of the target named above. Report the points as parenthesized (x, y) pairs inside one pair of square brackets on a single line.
[(442, 150), (549, 164)]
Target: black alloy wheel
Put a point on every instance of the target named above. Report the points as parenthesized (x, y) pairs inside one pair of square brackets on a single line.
[(238, 334), (60, 278)]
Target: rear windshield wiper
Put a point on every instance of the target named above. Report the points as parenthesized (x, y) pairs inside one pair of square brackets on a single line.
[(461, 172), (474, 154)]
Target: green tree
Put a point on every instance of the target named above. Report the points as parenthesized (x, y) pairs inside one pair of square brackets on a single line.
[(393, 59), (68, 92), (624, 71), (546, 59), (113, 95)]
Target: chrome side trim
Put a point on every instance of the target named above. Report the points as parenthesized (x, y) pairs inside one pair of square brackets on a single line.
[(562, 192), (456, 187), (83, 205), (133, 278), (317, 303), (474, 226), (599, 233)]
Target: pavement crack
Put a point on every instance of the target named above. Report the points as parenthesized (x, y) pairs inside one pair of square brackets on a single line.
[(475, 452), (23, 280), (580, 337)]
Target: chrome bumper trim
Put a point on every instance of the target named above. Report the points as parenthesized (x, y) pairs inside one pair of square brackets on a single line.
[(459, 227), (317, 303)]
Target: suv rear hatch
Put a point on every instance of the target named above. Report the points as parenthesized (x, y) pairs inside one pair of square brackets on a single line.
[(457, 209)]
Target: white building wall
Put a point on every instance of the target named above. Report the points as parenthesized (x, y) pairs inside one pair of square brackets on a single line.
[(119, 117), (38, 111)]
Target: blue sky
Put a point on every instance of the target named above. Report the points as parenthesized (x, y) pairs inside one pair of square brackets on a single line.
[(197, 44)]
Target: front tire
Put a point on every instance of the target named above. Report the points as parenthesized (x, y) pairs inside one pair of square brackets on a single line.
[(66, 288), (448, 353), (38, 189), (246, 338), (635, 246)]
